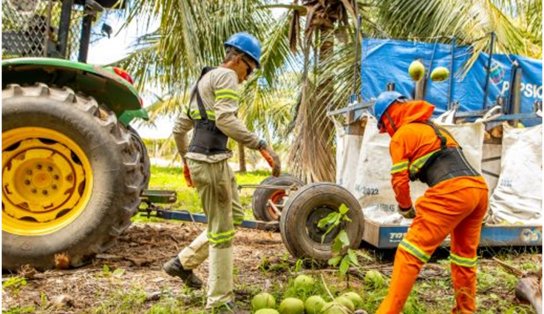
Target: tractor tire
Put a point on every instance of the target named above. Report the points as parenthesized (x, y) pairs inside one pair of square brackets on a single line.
[(72, 177), (259, 203), (305, 208), (144, 162)]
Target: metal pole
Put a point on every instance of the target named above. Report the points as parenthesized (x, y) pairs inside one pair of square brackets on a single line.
[(47, 38), (356, 61), (515, 94), (85, 36), (428, 72), (488, 69), (452, 69), (64, 26), (390, 87)]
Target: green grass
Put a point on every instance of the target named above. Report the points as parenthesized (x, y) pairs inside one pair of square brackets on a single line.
[(171, 178)]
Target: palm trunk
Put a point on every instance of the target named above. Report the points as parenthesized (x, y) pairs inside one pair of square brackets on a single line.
[(242, 158)]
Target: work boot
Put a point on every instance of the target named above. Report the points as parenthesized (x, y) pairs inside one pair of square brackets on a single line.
[(173, 268)]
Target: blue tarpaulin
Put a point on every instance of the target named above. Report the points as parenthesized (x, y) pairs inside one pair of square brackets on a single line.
[(385, 61)]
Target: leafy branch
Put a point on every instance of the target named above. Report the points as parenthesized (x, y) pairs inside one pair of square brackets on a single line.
[(342, 256)]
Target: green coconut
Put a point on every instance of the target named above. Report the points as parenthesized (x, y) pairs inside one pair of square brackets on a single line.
[(263, 300), (374, 279), (291, 306), (416, 70), (335, 308), (304, 283), (314, 304), (345, 302), (355, 298), (267, 311), (440, 74)]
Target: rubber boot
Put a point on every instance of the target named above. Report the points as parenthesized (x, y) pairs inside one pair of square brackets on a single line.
[(173, 268), (220, 286)]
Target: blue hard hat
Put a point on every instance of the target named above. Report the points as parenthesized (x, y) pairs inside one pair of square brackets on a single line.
[(383, 102), (247, 44)]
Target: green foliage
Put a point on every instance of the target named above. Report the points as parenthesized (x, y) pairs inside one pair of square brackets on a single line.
[(413, 306), (341, 257), (319, 62), (20, 310), (14, 284)]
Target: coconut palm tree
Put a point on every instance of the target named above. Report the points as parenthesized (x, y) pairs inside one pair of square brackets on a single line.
[(323, 51)]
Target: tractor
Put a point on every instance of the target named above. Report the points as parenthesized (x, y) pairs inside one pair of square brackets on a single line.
[(73, 169)]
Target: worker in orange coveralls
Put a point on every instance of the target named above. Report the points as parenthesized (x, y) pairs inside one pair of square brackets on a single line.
[(455, 202)]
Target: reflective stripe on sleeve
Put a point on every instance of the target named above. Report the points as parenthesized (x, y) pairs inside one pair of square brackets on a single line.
[(398, 167), (226, 93), (418, 163)]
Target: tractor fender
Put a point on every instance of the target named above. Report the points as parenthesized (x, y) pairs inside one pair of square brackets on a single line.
[(102, 83)]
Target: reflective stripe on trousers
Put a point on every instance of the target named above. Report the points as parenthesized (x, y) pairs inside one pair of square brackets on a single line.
[(216, 186)]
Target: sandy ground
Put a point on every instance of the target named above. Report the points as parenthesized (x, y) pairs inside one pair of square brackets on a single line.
[(139, 255), (135, 262)]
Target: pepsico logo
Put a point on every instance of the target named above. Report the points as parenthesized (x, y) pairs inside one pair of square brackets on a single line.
[(496, 73)]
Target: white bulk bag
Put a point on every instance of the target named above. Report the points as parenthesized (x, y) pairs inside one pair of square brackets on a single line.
[(373, 178), (469, 135), (517, 198)]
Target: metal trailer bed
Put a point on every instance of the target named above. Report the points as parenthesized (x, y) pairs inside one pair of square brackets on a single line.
[(381, 236)]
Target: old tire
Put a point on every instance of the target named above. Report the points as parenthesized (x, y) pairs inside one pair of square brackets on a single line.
[(259, 203), (304, 209), (71, 177)]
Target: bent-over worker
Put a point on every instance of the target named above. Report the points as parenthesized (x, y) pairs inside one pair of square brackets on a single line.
[(454, 204)]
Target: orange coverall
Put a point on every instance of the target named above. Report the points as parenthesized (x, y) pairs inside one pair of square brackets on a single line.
[(454, 206)]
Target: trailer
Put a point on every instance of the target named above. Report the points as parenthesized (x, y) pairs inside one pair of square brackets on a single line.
[(303, 206)]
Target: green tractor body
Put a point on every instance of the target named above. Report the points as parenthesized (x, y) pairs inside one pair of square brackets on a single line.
[(102, 83), (73, 169)]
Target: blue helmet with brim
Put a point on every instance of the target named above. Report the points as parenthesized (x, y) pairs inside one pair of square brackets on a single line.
[(383, 102), (247, 44)]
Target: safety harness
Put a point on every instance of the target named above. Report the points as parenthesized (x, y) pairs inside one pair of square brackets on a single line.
[(442, 164), (207, 138)]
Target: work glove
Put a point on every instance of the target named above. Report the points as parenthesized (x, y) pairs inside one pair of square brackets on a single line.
[(407, 213), (272, 159), (187, 174)]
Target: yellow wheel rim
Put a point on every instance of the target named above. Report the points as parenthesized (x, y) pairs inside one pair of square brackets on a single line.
[(46, 181)]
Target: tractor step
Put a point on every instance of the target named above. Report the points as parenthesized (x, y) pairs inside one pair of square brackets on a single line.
[(159, 196)]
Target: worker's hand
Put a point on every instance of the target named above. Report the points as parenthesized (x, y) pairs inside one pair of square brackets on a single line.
[(407, 213), (273, 160), (187, 174)]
